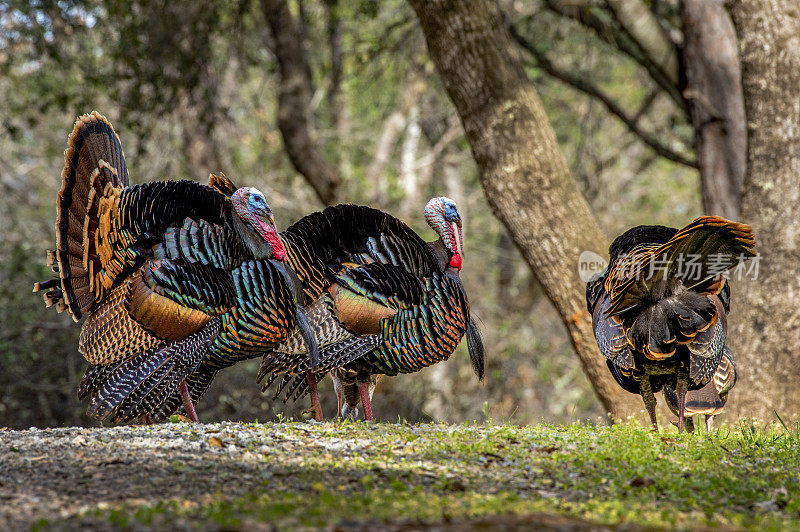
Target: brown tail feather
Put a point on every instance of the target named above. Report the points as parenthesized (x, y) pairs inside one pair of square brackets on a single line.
[(93, 161)]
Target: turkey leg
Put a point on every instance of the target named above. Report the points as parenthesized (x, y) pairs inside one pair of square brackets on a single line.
[(363, 389), (338, 387), (649, 399), (187, 402), (682, 386), (316, 407)]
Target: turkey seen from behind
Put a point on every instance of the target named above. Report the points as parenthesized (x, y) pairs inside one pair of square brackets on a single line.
[(659, 310)]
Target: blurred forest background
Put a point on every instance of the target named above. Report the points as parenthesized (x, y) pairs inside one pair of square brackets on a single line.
[(193, 88)]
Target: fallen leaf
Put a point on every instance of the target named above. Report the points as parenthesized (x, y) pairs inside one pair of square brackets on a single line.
[(213, 441)]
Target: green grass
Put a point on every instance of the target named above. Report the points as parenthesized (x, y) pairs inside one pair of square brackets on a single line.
[(739, 476)]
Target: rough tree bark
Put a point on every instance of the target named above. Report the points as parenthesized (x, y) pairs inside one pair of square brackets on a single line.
[(766, 332), (524, 173), (338, 111), (294, 102), (716, 107)]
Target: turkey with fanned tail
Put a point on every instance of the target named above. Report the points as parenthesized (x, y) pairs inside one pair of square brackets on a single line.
[(660, 308), (172, 280)]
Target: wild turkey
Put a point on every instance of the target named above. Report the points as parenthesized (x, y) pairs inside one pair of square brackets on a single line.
[(660, 308), (174, 280), (711, 398), (383, 301)]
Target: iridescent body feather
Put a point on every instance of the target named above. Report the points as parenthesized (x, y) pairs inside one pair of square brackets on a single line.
[(386, 301)]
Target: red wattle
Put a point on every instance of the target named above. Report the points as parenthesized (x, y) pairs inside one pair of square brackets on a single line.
[(269, 234), (455, 261), (278, 251)]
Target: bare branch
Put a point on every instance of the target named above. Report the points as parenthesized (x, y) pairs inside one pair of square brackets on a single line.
[(612, 33), (613, 107)]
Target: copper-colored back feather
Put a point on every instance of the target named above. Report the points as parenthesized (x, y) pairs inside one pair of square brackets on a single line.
[(358, 314), (163, 316)]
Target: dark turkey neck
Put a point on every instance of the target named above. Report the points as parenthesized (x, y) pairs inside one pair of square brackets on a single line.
[(441, 253), (254, 241)]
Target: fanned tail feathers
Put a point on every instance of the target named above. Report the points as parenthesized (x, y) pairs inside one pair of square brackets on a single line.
[(667, 294), (94, 164), (696, 256)]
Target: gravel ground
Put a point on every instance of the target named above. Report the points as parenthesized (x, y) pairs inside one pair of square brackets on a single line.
[(64, 475), (57, 473)]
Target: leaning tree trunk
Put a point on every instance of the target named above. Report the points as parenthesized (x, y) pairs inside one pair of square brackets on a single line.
[(713, 94), (294, 102), (524, 173), (766, 334)]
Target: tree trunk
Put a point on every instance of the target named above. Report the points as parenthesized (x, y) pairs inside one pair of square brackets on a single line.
[(524, 174), (294, 102), (716, 107), (409, 175), (376, 173), (765, 336)]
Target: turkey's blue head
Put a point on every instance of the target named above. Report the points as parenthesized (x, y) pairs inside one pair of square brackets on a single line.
[(442, 215), (251, 206)]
